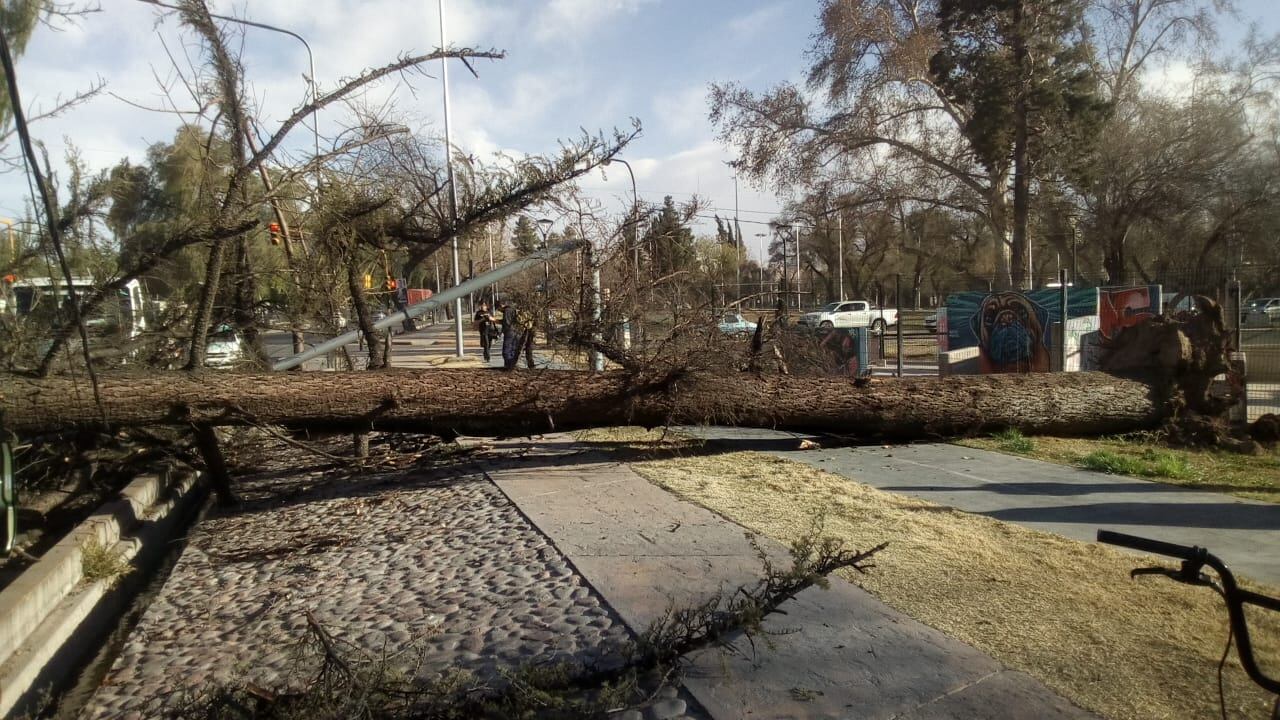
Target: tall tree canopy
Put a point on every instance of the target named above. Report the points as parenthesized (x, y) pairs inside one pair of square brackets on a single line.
[(1023, 72)]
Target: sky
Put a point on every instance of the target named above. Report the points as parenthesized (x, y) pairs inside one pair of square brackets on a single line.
[(570, 65)]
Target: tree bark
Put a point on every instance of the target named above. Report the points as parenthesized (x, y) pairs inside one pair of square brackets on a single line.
[(198, 347), (488, 402), (364, 320)]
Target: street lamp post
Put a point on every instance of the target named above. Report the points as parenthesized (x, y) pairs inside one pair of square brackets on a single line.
[(840, 253), (785, 282), (453, 194), (763, 260), (799, 272), (635, 210), (544, 227), (311, 63)]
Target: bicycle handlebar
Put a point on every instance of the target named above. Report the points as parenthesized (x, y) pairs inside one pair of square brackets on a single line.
[(1193, 558), (1157, 547)]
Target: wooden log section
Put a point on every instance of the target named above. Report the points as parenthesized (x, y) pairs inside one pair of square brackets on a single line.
[(492, 402)]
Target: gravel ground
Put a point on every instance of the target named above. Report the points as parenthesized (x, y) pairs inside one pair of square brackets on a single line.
[(409, 564)]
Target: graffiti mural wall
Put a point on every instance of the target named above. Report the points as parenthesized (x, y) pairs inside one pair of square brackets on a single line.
[(1012, 330), (1121, 307), (849, 350)]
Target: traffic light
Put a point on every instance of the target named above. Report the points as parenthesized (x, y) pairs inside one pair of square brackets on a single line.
[(368, 281), (390, 284), (274, 229)]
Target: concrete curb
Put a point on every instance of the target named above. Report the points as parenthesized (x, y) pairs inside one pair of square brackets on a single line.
[(51, 621)]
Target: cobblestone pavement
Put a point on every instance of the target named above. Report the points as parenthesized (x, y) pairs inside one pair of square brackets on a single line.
[(396, 563)]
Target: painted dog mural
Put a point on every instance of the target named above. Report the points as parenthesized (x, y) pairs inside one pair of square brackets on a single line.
[(1011, 338), (1012, 330)]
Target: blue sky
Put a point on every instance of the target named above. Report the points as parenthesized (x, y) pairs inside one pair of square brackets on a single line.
[(570, 64)]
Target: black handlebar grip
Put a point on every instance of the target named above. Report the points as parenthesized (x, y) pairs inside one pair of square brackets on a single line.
[(1157, 547)]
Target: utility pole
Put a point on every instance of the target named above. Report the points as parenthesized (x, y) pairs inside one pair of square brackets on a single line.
[(840, 253), (737, 237), (785, 286), (760, 290), (453, 195), (493, 289), (1075, 268), (439, 289), (544, 226), (799, 272)]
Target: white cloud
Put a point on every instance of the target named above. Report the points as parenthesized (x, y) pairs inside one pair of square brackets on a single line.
[(1173, 79), (756, 21), (699, 169), (570, 20), (517, 106), (683, 112)]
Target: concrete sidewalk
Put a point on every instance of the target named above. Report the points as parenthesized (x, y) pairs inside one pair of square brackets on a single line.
[(834, 653), (1045, 496)]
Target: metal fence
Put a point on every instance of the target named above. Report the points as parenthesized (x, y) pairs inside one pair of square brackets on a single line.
[(1249, 295)]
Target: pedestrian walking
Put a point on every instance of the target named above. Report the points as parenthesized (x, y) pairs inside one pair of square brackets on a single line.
[(511, 336), (484, 323), (526, 321)]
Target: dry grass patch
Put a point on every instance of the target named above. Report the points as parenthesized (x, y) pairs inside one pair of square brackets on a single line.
[(98, 562), (1061, 610), (1256, 477), (650, 441)]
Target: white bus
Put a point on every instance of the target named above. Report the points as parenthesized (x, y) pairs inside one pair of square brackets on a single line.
[(44, 300)]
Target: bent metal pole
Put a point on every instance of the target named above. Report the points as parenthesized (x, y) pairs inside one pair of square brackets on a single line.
[(461, 290)]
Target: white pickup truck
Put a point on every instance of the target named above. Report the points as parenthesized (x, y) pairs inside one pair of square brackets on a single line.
[(851, 314)]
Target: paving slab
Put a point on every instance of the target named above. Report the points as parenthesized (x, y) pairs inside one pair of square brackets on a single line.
[(1045, 496), (838, 652)]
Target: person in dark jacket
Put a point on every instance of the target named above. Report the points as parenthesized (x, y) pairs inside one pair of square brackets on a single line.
[(484, 323), (526, 321), (511, 337)]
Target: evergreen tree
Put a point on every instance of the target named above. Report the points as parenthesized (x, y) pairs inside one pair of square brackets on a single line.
[(1023, 72), (724, 232), (525, 239), (668, 239)]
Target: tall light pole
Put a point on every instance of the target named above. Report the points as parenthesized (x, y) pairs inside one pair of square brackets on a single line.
[(635, 211), (840, 252), (544, 227), (799, 276), (763, 260), (493, 289), (737, 237), (453, 195), (786, 285)]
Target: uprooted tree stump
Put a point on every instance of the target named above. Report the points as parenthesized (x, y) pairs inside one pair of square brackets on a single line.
[(1181, 355)]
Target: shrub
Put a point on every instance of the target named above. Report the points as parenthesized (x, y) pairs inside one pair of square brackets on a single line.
[(98, 562), (1151, 463), (1012, 440)]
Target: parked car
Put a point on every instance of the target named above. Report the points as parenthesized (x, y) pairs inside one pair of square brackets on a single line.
[(851, 314), (1261, 311), (735, 324), (225, 348), (1187, 303)]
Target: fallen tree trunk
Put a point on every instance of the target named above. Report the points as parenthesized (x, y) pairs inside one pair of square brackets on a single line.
[(489, 402)]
